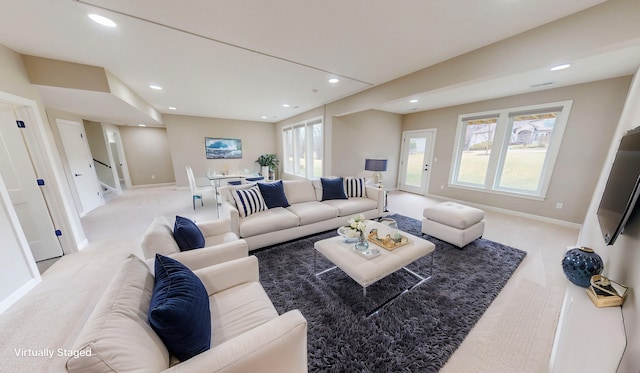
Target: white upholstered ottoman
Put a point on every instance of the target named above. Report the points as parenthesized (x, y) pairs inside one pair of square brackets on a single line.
[(454, 223)]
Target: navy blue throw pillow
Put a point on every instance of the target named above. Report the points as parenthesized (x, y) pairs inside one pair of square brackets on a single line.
[(187, 234), (333, 188), (179, 310), (273, 194)]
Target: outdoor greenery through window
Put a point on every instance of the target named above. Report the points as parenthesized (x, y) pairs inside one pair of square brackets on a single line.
[(303, 145), (509, 151)]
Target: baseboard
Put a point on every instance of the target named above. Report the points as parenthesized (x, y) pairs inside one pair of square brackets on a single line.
[(83, 244), (152, 185), (19, 293), (544, 219)]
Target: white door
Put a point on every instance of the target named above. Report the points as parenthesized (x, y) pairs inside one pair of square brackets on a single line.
[(80, 163), (27, 199), (417, 154)]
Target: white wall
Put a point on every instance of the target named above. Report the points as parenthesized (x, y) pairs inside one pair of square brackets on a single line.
[(369, 134), (186, 142), (148, 154), (596, 109), (621, 260), (14, 83)]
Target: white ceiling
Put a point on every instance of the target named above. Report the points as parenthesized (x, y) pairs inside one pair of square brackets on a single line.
[(245, 59)]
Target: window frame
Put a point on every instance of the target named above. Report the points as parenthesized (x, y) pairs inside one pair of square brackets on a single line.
[(290, 148), (500, 147)]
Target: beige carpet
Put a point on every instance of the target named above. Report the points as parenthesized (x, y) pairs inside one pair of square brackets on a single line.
[(53, 313), (514, 335)]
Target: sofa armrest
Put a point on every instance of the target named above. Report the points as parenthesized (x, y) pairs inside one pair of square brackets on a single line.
[(208, 256), (277, 346), (376, 194), (231, 213), (214, 227), (226, 275)]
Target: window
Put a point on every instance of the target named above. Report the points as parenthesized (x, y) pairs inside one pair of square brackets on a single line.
[(509, 151), (303, 145)]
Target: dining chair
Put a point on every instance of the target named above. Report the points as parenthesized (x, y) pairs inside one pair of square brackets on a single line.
[(197, 191)]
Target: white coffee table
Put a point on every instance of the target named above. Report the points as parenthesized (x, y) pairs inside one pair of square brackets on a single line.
[(366, 271)]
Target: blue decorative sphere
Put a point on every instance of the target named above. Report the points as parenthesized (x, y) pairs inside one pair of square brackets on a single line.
[(580, 264)]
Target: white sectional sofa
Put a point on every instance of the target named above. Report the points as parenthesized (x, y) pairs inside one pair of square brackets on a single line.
[(306, 214)]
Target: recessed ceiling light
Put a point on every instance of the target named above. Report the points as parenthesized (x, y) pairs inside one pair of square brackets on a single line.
[(334, 80), (413, 101), (153, 86), (104, 21), (264, 117), (560, 67), (172, 108), (286, 105), (142, 125)]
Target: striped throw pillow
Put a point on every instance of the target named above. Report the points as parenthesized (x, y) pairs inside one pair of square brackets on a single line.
[(355, 187), (249, 201)]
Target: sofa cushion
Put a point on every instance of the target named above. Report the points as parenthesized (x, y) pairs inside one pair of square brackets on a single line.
[(352, 206), (314, 211), (179, 309), (238, 310), (249, 201), (299, 191), (355, 187), (273, 194), (187, 234), (268, 221), (158, 238), (332, 189), (117, 336)]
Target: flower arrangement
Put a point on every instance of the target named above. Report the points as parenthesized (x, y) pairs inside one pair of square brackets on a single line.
[(357, 226)]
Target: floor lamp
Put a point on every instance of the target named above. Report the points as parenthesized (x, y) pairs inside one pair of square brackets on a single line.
[(376, 165)]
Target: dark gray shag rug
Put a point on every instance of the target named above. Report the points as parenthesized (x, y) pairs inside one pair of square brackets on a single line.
[(417, 332)]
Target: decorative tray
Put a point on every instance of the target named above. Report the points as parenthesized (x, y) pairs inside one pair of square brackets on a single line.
[(605, 292), (371, 252), (387, 242)]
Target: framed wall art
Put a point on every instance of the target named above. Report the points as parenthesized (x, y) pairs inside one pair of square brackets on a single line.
[(220, 148)]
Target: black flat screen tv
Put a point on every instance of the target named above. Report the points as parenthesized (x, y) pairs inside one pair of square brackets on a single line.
[(622, 188)]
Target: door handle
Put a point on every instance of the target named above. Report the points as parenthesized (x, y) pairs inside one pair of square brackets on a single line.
[(76, 175)]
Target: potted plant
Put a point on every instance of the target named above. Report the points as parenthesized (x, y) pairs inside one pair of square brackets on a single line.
[(268, 163)]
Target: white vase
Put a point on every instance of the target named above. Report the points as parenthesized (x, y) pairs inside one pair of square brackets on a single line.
[(265, 172)]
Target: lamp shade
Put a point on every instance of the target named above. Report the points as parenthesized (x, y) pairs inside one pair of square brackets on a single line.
[(375, 165)]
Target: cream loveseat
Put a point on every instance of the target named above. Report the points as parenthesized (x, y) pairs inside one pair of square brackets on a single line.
[(308, 212), (247, 334)]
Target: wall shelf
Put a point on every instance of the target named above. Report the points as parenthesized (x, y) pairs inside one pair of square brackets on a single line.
[(588, 339)]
